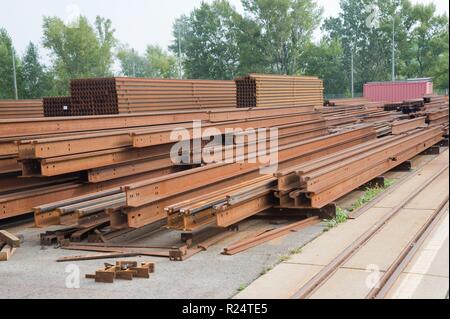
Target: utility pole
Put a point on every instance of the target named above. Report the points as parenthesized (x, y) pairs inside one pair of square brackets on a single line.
[(393, 48), (16, 95), (180, 71), (353, 75)]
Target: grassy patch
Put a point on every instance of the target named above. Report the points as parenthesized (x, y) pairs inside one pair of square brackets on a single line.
[(283, 258), (266, 270), (295, 251), (242, 287), (341, 217), (370, 194)]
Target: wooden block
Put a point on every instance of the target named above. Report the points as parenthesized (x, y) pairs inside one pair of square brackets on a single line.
[(125, 274), (6, 252), (443, 143), (10, 239), (141, 272), (434, 150), (105, 275), (144, 270), (403, 167), (376, 182)]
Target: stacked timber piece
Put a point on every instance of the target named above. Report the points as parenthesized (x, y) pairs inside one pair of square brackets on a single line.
[(257, 90), (21, 109)]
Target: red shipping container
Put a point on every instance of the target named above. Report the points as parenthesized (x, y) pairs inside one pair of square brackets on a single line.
[(397, 91)]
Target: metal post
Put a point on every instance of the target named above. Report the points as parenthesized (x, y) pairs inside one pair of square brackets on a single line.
[(353, 76), (180, 72), (16, 95), (393, 48)]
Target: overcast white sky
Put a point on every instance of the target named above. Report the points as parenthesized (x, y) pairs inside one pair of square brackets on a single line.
[(137, 22)]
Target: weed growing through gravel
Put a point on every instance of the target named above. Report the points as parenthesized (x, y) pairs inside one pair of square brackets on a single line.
[(370, 194), (242, 287), (341, 217)]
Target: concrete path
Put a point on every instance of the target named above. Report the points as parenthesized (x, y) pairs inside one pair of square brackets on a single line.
[(351, 280)]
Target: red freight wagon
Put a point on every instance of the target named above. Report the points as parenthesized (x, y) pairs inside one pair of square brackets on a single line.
[(397, 91)]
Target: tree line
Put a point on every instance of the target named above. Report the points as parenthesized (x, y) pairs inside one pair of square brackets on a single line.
[(215, 41)]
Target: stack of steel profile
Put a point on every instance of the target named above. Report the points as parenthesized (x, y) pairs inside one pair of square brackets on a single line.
[(134, 95), (94, 96), (114, 150), (317, 183), (346, 102), (21, 109), (57, 106), (407, 107), (256, 90), (147, 200), (436, 110), (117, 169)]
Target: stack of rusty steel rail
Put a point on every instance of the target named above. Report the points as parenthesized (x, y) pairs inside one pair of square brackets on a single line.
[(207, 186), (134, 95), (118, 170), (350, 112), (317, 183), (436, 110), (407, 107), (346, 102), (103, 152), (21, 109), (256, 90), (293, 127), (58, 106)]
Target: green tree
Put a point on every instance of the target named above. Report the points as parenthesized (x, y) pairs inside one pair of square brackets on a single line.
[(326, 60), (131, 63), (6, 66), (79, 49), (36, 81), (159, 63), (156, 63), (281, 31), (365, 28), (428, 50), (208, 39)]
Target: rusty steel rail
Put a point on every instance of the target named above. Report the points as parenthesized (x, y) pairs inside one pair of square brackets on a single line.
[(358, 171), (153, 190), (390, 276), (156, 136), (268, 236), (400, 127), (153, 208), (21, 109), (46, 147)]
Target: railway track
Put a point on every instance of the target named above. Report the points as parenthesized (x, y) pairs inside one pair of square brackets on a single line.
[(385, 282)]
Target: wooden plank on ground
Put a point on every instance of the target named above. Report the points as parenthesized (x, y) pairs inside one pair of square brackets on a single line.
[(9, 239)]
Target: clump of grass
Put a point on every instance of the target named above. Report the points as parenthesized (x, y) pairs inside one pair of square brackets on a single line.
[(242, 287), (370, 194), (295, 251), (284, 258), (266, 270), (341, 217), (388, 182)]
